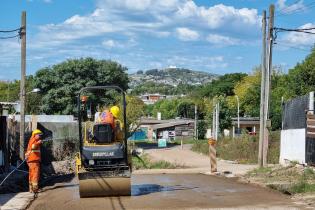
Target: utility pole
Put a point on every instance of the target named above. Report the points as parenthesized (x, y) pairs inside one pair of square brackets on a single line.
[(22, 84), (238, 114), (268, 82), (196, 121), (262, 92), (217, 111), (213, 121)]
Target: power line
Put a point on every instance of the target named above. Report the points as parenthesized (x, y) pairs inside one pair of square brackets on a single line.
[(10, 31), (297, 10), (292, 47), (10, 37), (297, 30), (286, 8), (19, 30)]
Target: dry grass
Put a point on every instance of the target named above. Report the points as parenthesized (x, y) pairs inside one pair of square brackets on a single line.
[(243, 149)]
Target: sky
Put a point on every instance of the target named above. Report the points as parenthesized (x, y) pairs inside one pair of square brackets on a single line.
[(206, 35)]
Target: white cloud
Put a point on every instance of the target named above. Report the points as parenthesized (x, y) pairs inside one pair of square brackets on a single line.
[(216, 59), (219, 15), (47, 1), (222, 40), (298, 39), (114, 44), (149, 16), (109, 43), (287, 9), (202, 62), (187, 34)]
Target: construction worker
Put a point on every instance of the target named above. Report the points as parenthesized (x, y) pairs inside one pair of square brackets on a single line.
[(118, 125), (33, 157), (106, 117)]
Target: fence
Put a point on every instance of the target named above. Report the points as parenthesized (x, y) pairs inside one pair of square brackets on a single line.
[(295, 144), (64, 135)]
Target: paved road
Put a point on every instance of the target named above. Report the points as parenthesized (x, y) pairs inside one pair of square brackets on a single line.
[(168, 191)]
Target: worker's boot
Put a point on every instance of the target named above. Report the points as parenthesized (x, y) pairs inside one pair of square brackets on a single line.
[(31, 188), (35, 188)]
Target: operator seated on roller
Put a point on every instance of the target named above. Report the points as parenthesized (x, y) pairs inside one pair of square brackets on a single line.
[(118, 125), (111, 117), (106, 117), (33, 157)]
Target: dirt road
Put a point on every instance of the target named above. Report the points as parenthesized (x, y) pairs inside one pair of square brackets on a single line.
[(168, 191), (196, 162)]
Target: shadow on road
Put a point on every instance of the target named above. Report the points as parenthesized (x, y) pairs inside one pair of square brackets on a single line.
[(53, 180), (144, 189)]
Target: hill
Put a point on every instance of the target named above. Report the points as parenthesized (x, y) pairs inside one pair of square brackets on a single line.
[(170, 77)]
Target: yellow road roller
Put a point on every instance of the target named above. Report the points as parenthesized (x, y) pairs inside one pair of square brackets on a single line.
[(103, 165)]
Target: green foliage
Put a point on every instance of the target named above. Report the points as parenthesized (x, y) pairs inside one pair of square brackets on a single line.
[(9, 91), (153, 87), (224, 86), (156, 87), (186, 109), (202, 129), (144, 162), (168, 108), (134, 110), (301, 79), (60, 83)]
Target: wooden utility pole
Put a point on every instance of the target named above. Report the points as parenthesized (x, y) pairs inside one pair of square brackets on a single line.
[(217, 121), (22, 84), (213, 121), (196, 121), (262, 91), (268, 81)]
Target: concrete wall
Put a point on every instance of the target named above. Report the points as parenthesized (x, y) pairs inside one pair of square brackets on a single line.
[(47, 118), (65, 139), (292, 146)]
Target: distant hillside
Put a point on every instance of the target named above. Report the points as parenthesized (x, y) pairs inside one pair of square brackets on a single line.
[(170, 77)]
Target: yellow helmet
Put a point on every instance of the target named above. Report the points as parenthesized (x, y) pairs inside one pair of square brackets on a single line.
[(115, 111), (36, 131)]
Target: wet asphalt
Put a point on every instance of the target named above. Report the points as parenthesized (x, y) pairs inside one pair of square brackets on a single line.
[(168, 191)]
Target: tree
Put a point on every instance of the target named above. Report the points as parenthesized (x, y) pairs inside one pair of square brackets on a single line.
[(167, 107), (186, 109), (202, 129), (60, 83), (248, 91), (224, 85), (301, 79), (135, 110)]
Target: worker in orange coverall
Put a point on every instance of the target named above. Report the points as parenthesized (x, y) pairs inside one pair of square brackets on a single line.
[(33, 159)]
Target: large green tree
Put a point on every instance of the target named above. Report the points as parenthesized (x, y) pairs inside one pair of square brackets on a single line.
[(224, 86), (60, 83), (301, 79)]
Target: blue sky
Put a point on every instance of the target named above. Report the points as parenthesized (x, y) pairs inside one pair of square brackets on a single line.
[(213, 36)]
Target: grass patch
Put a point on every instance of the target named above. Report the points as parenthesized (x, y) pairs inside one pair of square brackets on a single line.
[(243, 149), (292, 179), (259, 171), (144, 162)]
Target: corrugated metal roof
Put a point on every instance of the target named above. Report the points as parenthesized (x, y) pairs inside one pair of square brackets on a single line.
[(171, 124)]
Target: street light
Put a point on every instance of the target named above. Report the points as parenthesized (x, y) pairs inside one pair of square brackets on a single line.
[(238, 114), (35, 90)]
